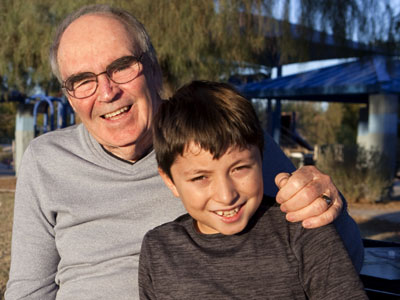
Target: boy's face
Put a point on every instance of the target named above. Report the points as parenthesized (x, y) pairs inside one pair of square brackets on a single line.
[(221, 194)]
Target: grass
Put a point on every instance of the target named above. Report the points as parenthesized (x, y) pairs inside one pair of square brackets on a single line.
[(6, 213)]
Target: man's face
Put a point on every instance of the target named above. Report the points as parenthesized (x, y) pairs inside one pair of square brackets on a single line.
[(221, 194), (117, 115)]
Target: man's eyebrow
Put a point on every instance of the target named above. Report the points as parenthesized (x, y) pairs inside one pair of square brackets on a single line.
[(79, 76), (115, 64), (121, 61)]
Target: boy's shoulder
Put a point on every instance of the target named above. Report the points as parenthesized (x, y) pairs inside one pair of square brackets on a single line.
[(271, 220), (269, 208), (170, 229), (268, 202), (270, 217)]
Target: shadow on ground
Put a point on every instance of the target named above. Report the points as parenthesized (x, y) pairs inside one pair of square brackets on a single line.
[(384, 227)]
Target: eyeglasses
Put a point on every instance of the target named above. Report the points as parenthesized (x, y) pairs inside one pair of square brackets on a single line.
[(120, 71)]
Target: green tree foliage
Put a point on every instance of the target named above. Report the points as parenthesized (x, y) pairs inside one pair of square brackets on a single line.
[(26, 28), (194, 39), (362, 175), (335, 125), (347, 115)]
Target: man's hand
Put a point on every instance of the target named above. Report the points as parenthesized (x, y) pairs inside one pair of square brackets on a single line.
[(300, 195)]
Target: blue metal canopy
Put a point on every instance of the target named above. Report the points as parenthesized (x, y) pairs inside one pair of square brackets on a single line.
[(350, 82)]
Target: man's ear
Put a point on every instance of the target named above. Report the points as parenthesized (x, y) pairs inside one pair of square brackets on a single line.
[(168, 182), (70, 102)]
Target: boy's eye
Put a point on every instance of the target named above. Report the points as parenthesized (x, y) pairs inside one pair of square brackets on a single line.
[(198, 178), (241, 168)]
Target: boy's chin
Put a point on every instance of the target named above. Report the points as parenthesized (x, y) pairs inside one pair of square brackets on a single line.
[(231, 231), (225, 229)]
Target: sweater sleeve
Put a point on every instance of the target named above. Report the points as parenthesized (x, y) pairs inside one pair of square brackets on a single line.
[(34, 257), (325, 269), (274, 162), (146, 288)]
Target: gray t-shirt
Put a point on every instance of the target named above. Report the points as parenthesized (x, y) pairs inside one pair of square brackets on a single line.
[(270, 259)]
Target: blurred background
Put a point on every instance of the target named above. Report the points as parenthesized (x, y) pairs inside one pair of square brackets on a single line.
[(324, 77)]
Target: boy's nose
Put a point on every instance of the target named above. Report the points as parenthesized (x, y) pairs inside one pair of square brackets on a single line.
[(226, 191)]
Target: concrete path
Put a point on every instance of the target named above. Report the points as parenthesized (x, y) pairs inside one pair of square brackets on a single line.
[(381, 214)]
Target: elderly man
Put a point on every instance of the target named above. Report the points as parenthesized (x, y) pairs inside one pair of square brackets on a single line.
[(86, 195)]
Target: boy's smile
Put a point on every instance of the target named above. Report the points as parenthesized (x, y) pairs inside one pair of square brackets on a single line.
[(221, 194)]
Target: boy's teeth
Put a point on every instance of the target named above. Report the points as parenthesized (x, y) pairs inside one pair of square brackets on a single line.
[(227, 213), (117, 112)]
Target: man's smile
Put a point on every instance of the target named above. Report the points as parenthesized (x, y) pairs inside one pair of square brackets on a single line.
[(115, 114)]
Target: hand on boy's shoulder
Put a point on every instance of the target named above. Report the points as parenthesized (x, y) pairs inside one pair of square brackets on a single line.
[(301, 195)]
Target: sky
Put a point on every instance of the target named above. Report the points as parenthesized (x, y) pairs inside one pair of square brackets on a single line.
[(395, 5)]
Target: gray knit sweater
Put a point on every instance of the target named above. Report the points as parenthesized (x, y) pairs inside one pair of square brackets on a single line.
[(80, 216)]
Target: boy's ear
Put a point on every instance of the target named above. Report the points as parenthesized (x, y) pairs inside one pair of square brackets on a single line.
[(168, 182)]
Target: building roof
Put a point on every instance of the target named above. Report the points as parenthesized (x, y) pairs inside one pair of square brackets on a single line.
[(350, 82), (317, 45)]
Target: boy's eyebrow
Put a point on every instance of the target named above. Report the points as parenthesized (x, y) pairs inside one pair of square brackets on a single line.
[(246, 160), (197, 171)]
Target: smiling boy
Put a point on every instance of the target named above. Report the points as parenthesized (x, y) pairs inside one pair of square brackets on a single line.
[(234, 243), (205, 186)]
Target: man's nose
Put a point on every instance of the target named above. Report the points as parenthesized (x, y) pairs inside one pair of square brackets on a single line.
[(106, 89), (226, 191)]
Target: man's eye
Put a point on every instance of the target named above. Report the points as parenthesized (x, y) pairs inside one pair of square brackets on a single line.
[(121, 64), (83, 82), (121, 68), (79, 80)]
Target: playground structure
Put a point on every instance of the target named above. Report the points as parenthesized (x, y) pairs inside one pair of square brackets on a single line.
[(37, 114)]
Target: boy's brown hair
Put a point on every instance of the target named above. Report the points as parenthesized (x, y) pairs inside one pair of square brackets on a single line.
[(213, 115)]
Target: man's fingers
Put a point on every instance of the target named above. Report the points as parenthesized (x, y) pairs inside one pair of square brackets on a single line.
[(317, 220), (328, 217), (302, 197), (308, 195), (316, 208), (291, 186), (281, 179)]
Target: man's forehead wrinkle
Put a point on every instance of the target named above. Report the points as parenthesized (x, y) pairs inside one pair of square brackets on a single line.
[(87, 39)]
